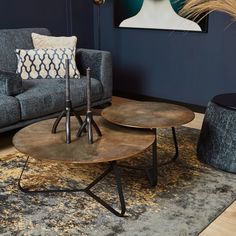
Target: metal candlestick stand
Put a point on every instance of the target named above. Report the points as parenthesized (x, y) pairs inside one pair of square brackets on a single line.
[(89, 122), (68, 111)]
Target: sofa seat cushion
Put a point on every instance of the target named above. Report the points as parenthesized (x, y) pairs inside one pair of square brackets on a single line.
[(10, 110), (46, 96)]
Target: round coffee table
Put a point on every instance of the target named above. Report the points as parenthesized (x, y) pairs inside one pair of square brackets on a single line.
[(116, 143), (150, 115)]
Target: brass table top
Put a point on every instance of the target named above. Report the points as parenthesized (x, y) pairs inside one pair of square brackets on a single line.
[(148, 115), (116, 143)]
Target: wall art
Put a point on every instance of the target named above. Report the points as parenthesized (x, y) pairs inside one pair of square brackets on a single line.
[(155, 14)]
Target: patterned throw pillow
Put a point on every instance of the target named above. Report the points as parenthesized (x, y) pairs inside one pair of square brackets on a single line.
[(46, 63), (44, 41)]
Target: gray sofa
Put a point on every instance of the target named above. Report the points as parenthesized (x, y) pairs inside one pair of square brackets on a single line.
[(28, 101)]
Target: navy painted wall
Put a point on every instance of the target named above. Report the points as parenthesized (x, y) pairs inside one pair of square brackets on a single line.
[(51, 14), (186, 67)]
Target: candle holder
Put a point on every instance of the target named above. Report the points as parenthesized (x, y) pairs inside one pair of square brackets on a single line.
[(68, 111), (89, 122)]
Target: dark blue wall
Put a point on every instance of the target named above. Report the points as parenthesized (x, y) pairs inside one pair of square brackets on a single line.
[(187, 67), (51, 14), (183, 66)]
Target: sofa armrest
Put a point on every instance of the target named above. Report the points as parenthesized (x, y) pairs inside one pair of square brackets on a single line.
[(10, 83), (100, 63)]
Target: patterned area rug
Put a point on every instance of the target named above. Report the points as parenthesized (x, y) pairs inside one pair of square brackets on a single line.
[(189, 195)]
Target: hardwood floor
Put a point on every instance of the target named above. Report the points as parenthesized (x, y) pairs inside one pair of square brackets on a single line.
[(224, 225)]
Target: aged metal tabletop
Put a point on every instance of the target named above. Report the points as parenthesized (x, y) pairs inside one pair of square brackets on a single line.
[(116, 143), (147, 115)]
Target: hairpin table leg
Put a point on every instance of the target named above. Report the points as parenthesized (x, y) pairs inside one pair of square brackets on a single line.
[(112, 168)]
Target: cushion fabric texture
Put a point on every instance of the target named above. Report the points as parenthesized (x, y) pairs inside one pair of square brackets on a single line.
[(45, 97), (12, 39), (10, 83), (42, 41), (10, 110), (46, 63), (100, 63)]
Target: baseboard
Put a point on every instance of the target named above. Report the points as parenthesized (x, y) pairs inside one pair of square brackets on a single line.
[(193, 107)]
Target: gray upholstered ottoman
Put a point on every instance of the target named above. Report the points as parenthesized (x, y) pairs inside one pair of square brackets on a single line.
[(217, 142)]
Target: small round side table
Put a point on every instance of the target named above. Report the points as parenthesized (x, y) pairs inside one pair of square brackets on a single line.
[(217, 142), (150, 115)]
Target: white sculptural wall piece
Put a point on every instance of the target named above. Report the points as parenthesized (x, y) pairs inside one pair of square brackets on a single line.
[(159, 14)]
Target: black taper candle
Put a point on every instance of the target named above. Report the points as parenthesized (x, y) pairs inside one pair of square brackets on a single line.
[(88, 89)]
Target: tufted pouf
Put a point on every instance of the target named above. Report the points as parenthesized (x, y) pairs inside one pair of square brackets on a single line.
[(217, 142)]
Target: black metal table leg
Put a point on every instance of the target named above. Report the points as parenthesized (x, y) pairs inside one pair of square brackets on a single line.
[(19, 180), (151, 172), (154, 160), (28, 191), (119, 190), (112, 168), (176, 148), (176, 144)]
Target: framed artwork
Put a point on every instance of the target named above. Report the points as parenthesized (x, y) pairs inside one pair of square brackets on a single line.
[(155, 14)]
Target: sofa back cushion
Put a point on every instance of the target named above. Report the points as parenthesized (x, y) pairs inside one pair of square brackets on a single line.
[(43, 41), (12, 39)]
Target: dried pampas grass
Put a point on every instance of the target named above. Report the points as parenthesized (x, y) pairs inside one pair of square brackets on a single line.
[(197, 8)]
